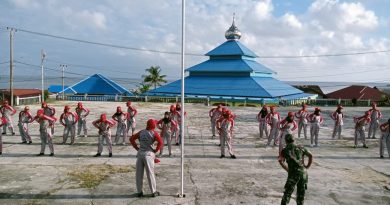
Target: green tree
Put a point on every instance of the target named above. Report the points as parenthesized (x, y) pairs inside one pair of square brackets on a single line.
[(154, 76), (143, 88)]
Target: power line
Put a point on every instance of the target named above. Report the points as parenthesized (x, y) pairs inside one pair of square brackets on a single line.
[(104, 44), (194, 54), (4, 62)]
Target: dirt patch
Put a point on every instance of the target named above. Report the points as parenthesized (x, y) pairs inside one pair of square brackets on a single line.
[(91, 176)]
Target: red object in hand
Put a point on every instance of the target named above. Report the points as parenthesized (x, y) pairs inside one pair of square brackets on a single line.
[(156, 160)]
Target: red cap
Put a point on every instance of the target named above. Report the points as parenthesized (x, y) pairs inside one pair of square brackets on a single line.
[(128, 103), (103, 117), (79, 104), (151, 124), (118, 109), (317, 109)]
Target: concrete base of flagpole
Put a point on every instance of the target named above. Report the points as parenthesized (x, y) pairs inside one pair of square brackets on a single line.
[(181, 195)]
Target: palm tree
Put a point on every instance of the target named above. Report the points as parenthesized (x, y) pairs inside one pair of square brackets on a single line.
[(143, 88), (154, 77)]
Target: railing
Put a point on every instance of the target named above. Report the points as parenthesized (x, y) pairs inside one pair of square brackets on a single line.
[(214, 101)]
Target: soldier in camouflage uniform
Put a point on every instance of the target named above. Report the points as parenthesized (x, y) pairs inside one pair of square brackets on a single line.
[(296, 168)]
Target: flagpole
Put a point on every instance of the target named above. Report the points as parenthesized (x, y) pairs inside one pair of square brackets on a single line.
[(182, 112)]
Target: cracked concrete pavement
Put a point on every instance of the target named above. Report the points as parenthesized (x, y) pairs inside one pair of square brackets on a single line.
[(339, 175)]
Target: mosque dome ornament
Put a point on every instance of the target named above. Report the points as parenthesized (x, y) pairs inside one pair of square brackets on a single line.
[(233, 33)]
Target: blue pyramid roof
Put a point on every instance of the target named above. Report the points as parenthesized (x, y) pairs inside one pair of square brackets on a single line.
[(230, 65), (56, 88), (97, 84), (231, 48), (232, 72), (246, 86)]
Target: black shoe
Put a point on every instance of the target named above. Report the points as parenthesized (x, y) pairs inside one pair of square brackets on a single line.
[(110, 155), (3, 133), (141, 194), (13, 133), (213, 136), (97, 155), (156, 194), (1, 153), (222, 156), (24, 142), (380, 156), (177, 144), (365, 146), (29, 142), (233, 156), (41, 154), (219, 145), (51, 154)]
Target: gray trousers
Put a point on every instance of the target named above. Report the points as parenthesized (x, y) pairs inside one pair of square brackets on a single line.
[(101, 139), (373, 128), (121, 131), (46, 138), (359, 133), (131, 124), (1, 142), (314, 131), (263, 129), (23, 129), (274, 134), (226, 138), (337, 131), (8, 125), (384, 140), (301, 126), (145, 161), (167, 136), (82, 124), (213, 126), (282, 141), (69, 129)]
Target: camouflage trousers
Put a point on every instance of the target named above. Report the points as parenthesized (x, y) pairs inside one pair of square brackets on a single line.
[(299, 180)]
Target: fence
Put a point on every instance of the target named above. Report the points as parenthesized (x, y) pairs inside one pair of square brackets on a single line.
[(213, 101)]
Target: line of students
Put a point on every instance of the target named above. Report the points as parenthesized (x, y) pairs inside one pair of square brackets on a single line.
[(46, 119), (274, 128)]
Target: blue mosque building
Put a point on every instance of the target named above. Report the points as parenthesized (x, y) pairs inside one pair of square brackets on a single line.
[(232, 73)]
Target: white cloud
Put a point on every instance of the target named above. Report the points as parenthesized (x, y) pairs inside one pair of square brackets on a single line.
[(291, 20), (83, 18), (263, 9), (326, 27), (25, 4)]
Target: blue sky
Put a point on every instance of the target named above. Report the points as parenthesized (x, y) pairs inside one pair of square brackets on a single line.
[(269, 28)]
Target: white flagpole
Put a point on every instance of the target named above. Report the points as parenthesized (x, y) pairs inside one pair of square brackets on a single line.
[(182, 96)]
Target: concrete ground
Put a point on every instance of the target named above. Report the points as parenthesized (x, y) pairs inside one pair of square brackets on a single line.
[(340, 174)]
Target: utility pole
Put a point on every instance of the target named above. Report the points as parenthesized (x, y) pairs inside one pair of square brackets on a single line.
[(11, 63), (63, 66), (43, 55)]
